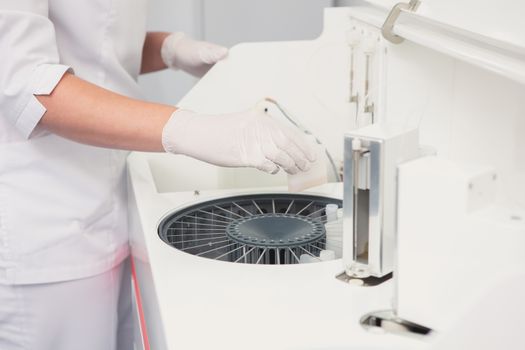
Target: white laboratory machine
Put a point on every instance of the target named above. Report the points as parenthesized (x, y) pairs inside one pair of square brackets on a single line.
[(417, 240)]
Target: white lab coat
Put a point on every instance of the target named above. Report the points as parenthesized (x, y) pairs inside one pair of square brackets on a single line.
[(62, 204)]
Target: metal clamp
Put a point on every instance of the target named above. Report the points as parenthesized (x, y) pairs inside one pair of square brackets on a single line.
[(388, 26)]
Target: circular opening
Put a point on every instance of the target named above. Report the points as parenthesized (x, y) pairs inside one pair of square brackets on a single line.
[(257, 229)]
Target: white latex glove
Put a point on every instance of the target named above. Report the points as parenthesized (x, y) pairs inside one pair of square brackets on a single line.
[(246, 139), (195, 57)]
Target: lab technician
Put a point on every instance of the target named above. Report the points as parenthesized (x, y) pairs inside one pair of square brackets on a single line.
[(69, 106)]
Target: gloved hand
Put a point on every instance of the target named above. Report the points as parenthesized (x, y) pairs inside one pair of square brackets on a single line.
[(195, 57), (246, 139)]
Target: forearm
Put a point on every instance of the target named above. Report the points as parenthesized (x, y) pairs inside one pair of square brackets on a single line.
[(89, 114), (151, 58)]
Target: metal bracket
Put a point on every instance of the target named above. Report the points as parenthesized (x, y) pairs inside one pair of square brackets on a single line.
[(388, 26), (366, 281), (388, 322)]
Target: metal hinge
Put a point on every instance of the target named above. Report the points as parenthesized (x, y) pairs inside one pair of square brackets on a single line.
[(388, 26)]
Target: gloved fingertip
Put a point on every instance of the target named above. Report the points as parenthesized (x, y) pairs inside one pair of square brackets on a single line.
[(221, 53), (303, 164), (307, 166), (311, 155), (269, 167), (292, 171), (306, 145), (213, 54)]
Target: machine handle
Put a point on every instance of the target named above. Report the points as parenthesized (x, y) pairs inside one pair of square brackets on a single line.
[(388, 27)]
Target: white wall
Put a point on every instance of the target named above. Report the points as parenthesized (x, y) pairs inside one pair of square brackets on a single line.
[(233, 21), (169, 15), (227, 22)]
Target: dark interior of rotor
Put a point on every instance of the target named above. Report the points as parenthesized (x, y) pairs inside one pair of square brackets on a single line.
[(254, 229)]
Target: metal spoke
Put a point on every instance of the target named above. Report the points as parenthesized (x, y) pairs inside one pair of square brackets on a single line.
[(214, 249), (238, 206), (245, 254), (257, 207), (191, 230), (204, 245), (316, 247), (197, 234), (315, 212), (231, 251), (197, 224), (228, 211), (289, 207), (201, 239), (295, 256), (201, 218), (215, 214), (308, 205), (258, 260)]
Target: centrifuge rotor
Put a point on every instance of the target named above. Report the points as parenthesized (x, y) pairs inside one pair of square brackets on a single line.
[(254, 229)]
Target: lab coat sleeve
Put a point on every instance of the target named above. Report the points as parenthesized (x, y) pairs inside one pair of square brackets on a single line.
[(29, 61)]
